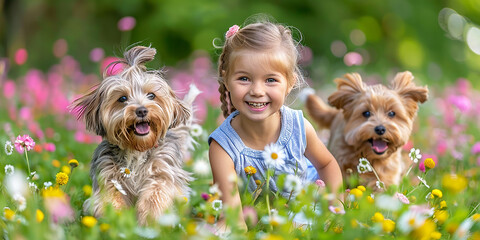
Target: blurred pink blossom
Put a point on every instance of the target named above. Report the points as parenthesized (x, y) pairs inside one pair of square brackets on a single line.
[(463, 86), (9, 89), (250, 214), (408, 146), (232, 30), (126, 24), (402, 198), (49, 147), (353, 58), (24, 142), (59, 209), (25, 113), (320, 183), (96, 54), (60, 48), (21, 56), (421, 166), (461, 102), (113, 69), (442, 146), (306, 55), (476, 148)]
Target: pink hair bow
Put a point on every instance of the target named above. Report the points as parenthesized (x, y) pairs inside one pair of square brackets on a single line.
[(232, 30)]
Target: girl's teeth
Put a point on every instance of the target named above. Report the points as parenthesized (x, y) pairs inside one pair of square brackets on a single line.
[(257, 105)]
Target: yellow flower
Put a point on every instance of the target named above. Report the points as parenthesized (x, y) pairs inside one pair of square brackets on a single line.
[(191, 228), (388, 226), (66, 170), (55, 163), (354, 223), (437, 193), (476, 217), (441, 216), (39, 216), (435, 235), (443, 204), (361, 188), (356, 192), (424, 231), (429, 163), (454, 183), (73, 163), (250, 170), (370, 199), (8, 213), (273, 237), (53, 192), (61, 178), (104, 227), (378, 217), (87, 190), (258, 182), (89, 221)]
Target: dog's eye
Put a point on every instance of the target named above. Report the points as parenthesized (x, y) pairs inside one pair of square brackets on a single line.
[(151, 96), (122, 99), (391, 114), (366, 114)]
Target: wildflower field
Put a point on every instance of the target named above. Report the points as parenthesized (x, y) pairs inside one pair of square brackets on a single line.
[(45, 168)]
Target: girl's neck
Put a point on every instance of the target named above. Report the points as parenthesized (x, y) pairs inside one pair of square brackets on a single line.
[(257, 134)]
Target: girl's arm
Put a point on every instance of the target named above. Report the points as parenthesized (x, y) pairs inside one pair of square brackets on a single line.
[(224, 175), (326, 165)]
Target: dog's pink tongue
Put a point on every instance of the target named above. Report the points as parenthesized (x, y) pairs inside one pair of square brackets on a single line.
[(142, 128), (379, 146)]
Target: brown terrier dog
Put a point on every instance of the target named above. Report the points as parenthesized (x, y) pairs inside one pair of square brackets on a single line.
[(146, 132), (373, 122)]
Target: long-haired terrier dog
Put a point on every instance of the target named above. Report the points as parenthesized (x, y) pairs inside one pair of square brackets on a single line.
[(370, 121), (146, 133)]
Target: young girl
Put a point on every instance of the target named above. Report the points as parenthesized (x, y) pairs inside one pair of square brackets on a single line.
[(257, 70)]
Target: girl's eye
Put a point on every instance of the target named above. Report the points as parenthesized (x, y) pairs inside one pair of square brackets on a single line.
[(366, 114), (271, 80), (151, 96), (122, 99), (391, 114), (243, 78)]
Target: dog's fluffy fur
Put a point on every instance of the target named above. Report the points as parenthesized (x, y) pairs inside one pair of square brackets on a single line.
[(369, 121), (146, 129)]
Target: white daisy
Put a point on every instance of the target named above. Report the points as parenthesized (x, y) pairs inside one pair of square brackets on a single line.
[(293, 183), (463, 231), (274, 219), (21, 202), (201, 167), (196, 130), (217, 205), (410, 221), (415, 155), (423, 181), (9, 169), (47, 184), (387, 202), (169, 219), (33, 186), (380, 184), (118, 186), (273, 155), (9, 148), (364, 166), (215, 190), (146, 232), (125, 172)]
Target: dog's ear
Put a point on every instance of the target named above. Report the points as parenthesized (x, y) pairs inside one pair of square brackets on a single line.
[(403, 84), (87, 108), (181, 113), (412, 94), (348, 89)]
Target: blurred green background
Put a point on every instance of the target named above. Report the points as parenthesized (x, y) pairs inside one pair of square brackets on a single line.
[(390, 35)]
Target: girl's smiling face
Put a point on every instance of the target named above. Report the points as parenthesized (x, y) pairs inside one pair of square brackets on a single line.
[(257, 83)]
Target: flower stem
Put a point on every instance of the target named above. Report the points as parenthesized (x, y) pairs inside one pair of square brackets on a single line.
[(28, 163), (378, 178)]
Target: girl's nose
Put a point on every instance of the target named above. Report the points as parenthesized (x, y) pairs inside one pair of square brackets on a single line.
[(257, 89)]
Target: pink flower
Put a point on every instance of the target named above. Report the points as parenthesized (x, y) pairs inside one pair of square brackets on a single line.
[(97, 54), (421, 166), (9, 89), (126, 24), (21, 56), (402, 198), (250, 215), (476, 148), (112, 69), (205, 196), (232, 30), (336, 210), (461, 102), (59, 209), (49, 147), (320, 183), (353, 58), (24, 142)]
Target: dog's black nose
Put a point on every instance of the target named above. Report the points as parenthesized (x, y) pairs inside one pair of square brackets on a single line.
[(380, 129), (141, 111)]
